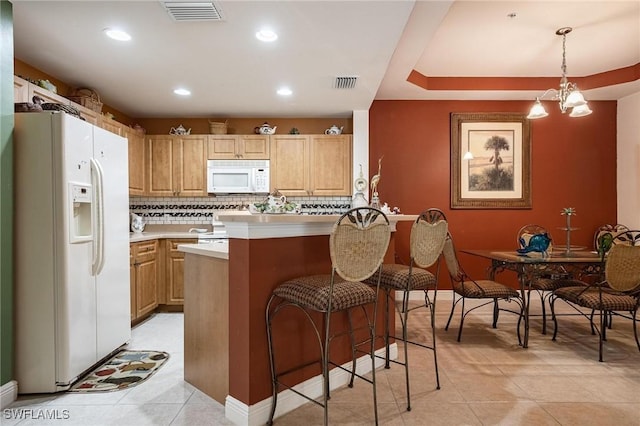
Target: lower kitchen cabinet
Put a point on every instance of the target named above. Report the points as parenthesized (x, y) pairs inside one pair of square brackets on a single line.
[(144, 276), (175, 271)]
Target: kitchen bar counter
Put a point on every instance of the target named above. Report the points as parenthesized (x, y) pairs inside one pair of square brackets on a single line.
[(135, 237), (263, 251), (218, 250)]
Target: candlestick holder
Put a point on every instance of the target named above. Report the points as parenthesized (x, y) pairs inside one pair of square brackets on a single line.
[(568, 212)]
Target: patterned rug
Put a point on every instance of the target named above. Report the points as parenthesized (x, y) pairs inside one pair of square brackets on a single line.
[(125, 369)]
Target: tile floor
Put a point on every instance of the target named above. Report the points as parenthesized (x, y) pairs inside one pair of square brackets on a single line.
[(486, 379)]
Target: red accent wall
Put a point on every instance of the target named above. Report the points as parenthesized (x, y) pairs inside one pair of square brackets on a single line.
[(573, 164)]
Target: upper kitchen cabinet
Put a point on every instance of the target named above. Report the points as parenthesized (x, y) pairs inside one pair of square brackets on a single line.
[(136, 161), (177, 165), (234, 147), (112, 125), (20, 90), (311, 165)]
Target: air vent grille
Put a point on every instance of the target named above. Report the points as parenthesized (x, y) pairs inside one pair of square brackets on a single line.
[(345, 82), (194, 11)]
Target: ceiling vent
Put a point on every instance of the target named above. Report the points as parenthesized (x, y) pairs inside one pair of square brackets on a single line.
[(345, 82), (194, 11)]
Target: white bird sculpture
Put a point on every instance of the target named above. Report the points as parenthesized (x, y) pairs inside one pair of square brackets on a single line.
[(376, 178)]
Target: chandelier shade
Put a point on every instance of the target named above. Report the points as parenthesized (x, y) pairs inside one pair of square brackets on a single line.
[(568, 95)]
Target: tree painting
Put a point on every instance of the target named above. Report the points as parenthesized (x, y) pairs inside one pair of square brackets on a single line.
[(493, 171)]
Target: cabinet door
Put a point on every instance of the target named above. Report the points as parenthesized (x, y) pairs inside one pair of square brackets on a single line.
[(190, 169), (111, 125), (146, 277), (136, 162), (20, 90), (48, 96), (222, 147), (132, 282), (290, 164), (330, 165), (254, 147), (175, 272), (160, 161), (89, 115)]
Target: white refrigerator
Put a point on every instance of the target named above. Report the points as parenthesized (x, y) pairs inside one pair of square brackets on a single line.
[(71, 248)]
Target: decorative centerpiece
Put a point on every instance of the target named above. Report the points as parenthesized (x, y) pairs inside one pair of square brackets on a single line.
[(275, 203), (568, 212)]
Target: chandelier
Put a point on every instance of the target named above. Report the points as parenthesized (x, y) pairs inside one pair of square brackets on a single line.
[(569, 97)]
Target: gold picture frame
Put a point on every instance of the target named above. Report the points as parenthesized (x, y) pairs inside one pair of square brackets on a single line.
[(499, 174)]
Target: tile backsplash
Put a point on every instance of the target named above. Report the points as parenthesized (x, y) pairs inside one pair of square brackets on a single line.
[(199, 210)]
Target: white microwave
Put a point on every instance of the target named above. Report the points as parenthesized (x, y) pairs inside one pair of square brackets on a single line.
[(238, 176)]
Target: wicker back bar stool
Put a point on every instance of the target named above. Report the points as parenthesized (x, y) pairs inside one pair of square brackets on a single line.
[(357, 244), (428, 234)]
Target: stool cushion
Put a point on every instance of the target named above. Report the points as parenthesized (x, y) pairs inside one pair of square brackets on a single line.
[(397, 276), (550, 284), (312, 292), (484, 289), (569, 293)]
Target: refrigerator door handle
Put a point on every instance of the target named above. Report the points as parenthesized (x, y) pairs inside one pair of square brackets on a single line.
[(98, 240)]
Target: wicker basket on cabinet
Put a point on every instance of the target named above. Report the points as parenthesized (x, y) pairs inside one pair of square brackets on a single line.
[(88, 98)]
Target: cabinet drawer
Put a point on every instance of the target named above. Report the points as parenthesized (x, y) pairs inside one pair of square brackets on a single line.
[(146, 250), (173, 245)]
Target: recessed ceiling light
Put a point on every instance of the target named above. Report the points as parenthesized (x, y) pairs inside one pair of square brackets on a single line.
[(266, 35), (182, 92), (284, 91), (117, 34)]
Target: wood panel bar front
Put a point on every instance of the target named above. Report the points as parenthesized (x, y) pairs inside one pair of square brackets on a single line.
[(206, 324)]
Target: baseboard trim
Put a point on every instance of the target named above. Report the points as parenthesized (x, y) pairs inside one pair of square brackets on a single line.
[(8, 393), (258, 414)]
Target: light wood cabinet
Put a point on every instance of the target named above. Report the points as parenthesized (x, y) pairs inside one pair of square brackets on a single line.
[(145, 276), (234, 147), (111, 125), (20, 90), (137, 162), (176, 165), (175, 271), (306, 165)]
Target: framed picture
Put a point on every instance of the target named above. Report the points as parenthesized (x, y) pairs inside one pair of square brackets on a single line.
[(490, 161)]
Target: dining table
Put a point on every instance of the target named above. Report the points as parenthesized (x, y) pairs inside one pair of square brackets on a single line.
[(528, 267)]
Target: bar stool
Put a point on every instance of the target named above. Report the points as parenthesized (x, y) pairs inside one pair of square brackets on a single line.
[(428, 234), (357, 245)]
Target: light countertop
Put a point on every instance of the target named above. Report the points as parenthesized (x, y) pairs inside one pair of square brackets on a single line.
[(156, 235), (219, 249), (258, 226)]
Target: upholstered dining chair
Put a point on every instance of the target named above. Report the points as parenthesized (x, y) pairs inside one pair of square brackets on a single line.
[(357, 245), (465, 287), (428, 234), (618, 293)]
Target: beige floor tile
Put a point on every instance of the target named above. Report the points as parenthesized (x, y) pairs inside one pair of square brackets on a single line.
[(522, 413), (598, 414), (440, 414)]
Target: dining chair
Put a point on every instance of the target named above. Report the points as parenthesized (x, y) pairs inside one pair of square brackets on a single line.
[(549, 278), (618, 292), (428, 234), (465, 287), (357, 245)]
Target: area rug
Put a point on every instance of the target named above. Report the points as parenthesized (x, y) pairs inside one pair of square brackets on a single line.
[(124, 370)]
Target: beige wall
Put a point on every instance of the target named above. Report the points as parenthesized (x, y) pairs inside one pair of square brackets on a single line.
[(628, 168)]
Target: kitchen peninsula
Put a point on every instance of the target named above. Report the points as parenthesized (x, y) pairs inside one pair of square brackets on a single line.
[(263, 251)]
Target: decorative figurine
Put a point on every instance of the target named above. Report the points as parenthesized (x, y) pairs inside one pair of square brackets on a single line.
[(294, 131), (375, 179), (358, 198), (538, 243)]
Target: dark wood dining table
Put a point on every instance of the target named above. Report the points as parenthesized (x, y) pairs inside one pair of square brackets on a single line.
[(528, 267)]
